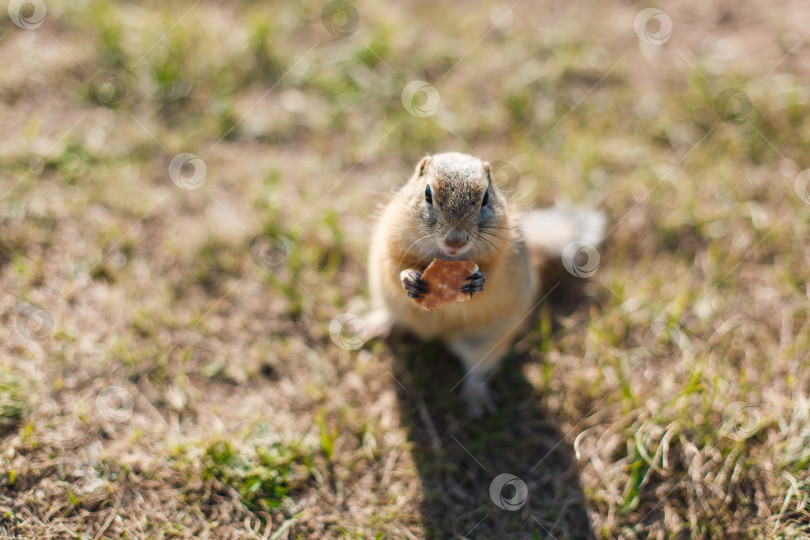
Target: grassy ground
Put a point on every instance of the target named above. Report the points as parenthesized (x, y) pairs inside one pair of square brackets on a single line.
[(166, 362)]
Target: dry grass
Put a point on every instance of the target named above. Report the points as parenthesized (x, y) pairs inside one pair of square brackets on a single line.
[(179, 379)]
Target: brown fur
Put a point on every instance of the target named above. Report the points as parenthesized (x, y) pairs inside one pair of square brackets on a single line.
[(409, 236)]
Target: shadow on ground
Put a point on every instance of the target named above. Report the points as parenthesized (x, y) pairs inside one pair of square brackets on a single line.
[(458, 458)]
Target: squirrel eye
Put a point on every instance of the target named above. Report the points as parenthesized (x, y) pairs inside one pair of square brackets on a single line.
[(428, 195), (485, 200)]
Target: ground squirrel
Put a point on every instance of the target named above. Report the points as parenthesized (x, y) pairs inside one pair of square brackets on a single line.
[(451, 210)]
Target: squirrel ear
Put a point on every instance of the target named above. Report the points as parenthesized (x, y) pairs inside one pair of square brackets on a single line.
[(487, 168), (422, 166)]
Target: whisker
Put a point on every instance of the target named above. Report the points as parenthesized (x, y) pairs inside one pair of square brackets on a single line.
[(491, 235), (488, 245), (419, 255), (405, 252)]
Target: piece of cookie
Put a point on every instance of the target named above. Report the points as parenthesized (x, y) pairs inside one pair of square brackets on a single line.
[(444, 282)]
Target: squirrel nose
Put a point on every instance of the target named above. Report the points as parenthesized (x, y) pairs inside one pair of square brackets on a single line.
[(456, 239)]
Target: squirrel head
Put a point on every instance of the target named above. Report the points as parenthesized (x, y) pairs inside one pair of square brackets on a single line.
[(458, 212)]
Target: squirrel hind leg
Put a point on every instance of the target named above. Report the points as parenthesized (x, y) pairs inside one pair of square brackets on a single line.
[(479, 358), (378, 323), (476, 394)]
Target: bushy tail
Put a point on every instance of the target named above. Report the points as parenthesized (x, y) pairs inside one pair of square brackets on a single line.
[(549, 231)]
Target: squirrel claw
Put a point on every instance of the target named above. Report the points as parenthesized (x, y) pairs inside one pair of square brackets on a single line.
[(413, 284), (476, 282)]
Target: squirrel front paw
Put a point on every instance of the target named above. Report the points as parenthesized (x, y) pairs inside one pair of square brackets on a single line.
[(412, 283), (475, 282)]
